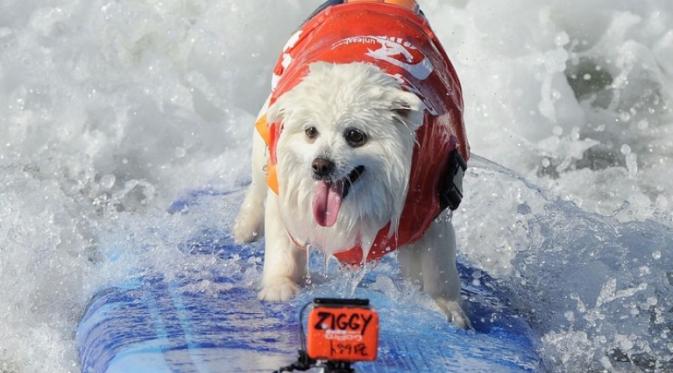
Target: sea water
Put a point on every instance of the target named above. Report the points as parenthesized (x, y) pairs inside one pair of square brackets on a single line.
[(110, 109)]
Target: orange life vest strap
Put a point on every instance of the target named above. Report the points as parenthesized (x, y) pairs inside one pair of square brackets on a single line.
[(271, 173)]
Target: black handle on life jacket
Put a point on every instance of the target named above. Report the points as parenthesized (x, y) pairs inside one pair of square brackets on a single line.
[(324, 6), (451, 193)]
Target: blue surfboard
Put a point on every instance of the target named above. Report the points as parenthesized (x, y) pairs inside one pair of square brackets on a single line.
[(151, 323)]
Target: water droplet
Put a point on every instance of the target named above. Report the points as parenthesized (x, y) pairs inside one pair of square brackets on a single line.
[(561, 39), (107, 181), (625, 116), (625, 149), (569, 315), (643, 124)]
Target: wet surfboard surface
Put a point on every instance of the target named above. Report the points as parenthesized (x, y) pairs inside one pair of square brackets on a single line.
[(182, 323)]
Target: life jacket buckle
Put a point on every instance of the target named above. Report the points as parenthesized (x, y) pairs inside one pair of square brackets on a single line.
[(452, 193)]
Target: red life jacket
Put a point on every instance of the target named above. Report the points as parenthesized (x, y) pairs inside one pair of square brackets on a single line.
[(397, 39)]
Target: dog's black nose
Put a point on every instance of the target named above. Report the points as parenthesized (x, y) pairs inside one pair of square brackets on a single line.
[(322, 167)]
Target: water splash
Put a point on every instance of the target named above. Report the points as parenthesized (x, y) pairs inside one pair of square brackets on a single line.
[(109, 109)]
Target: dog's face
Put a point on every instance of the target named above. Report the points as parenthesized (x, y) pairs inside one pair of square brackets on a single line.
[(344, 153)]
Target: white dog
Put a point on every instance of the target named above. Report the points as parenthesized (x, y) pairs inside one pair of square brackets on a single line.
[(343, 163)]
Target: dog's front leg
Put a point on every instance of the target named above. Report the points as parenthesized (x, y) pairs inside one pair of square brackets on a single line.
[(249, 225), (432, 261), (284, 261)]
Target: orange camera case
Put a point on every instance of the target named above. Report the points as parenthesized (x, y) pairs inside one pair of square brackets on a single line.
[(343, 333)]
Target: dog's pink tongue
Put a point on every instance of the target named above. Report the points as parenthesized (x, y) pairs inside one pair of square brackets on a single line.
[(326, 202)]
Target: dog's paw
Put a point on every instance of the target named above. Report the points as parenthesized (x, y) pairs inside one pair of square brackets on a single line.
[(279, 291), (454, 313), (246, 229)]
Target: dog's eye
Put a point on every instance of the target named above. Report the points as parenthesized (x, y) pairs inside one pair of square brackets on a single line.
[(311, 133), (355, 137)]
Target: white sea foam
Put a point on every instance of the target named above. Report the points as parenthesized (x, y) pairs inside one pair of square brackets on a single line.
[(108, 109)]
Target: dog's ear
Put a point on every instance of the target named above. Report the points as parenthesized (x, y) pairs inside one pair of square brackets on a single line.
[(278, 112), (282, 108), (274, 113), (408, 107)]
